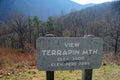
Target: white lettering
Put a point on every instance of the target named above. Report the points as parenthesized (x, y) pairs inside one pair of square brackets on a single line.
[(65, 52), (56, 64), (66, 44), (59, 52), (70, 52), (85, 52), (48, 52), (89, 51), (71, 64), (53, 52), (83, 63), (77, 44), (76, 52), (78, 58), (43, 51), (72, 45), (95, 52), (59, 59)]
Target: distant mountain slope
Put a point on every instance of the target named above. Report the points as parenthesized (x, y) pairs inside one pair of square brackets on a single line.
[(41, 8), (82, 17), (96, 12)]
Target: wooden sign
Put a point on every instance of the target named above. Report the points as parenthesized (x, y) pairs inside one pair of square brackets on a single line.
[(68, 53)]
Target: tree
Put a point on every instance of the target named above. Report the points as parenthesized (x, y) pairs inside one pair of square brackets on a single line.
[(37, 25), (115, 25), (30, 23), (2, 34), (115, 32), (18, 23), (73, 26), (50, 25)]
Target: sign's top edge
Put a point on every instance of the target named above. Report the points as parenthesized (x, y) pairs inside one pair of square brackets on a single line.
[(72, 37)]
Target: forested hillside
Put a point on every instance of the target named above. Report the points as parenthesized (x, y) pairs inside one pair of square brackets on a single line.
[(20, 31), (101, 21)]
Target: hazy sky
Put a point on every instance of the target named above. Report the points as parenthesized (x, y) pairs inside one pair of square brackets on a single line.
[(91, 1)]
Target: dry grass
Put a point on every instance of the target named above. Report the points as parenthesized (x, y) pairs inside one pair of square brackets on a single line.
[(12, 58), (17, 66), (110, 59), (104, 73)]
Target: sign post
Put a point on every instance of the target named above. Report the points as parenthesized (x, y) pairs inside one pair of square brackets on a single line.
[(69, 53), (49, 74), (87, 74)]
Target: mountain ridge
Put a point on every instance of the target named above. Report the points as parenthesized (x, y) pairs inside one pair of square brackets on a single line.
[(41, 8)]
